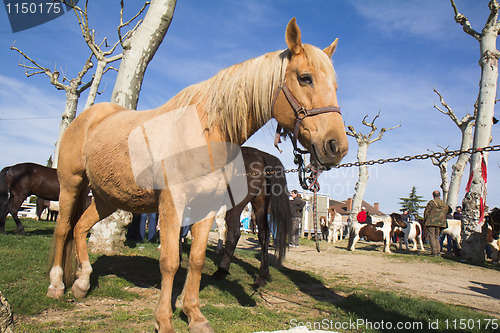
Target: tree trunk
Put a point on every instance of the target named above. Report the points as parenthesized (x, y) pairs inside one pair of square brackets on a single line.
[(359, 189), (109, 237), (67, 117), (459, 167), (473, 240), (6, 316), (443, 171), (138, 51)]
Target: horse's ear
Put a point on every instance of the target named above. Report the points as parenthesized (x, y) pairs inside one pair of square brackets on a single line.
[(293, 37), (331, 49)]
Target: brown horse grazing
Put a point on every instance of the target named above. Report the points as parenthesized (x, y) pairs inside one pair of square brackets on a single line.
[(105, 145), (267, 191), (19, 181)]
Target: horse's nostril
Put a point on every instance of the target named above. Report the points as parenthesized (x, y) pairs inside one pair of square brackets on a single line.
[(332, 147)]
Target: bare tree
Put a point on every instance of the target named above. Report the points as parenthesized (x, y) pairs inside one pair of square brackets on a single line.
[(474, 202), (466, 125), (442, 164), (104, 56), (73, 88), (364, 141)]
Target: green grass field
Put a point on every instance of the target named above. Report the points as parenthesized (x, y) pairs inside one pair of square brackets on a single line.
[(124, 290)]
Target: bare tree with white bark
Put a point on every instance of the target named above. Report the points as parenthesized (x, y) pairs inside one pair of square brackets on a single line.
[(466, 125), (73, 88), (474, 202), (102, 51), (364, 141)]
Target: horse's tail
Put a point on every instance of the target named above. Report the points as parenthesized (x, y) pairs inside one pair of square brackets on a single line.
[(4, 191), (280, 211)]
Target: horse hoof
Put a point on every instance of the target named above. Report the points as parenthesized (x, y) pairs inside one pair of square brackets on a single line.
[(55, 293), (259, 282), (201, 328), (78, 292), (220, 274)]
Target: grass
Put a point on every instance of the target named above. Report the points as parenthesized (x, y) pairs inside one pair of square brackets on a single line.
[(124, 290)]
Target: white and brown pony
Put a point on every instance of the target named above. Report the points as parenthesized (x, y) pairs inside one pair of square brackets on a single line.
[(297, 87), (407, 231), (377, 232), (335, 226)]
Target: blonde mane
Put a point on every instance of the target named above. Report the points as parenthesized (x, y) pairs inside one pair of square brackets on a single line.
[(242, 95)]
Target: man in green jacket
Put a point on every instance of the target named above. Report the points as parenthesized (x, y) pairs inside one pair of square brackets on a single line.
[(435, 220)]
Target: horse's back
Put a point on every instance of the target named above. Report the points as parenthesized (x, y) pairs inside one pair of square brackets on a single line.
[(73, 141)]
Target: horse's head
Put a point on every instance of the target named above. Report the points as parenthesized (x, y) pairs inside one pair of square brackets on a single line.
[(307, 104), (397, 220)]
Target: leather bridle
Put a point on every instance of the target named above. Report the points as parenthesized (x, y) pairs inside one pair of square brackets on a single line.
[(300, 114)]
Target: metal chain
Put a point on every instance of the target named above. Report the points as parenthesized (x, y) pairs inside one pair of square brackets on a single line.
[(407, 158)]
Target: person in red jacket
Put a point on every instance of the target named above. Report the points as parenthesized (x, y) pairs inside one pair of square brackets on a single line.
[(361, 217)]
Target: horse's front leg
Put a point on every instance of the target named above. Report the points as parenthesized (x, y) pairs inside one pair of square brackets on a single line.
[(190, 300), (170, 227)]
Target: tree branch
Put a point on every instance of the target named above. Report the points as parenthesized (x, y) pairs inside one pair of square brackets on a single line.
[(464, 22), (381, 133), (53, 76), (123, 24)]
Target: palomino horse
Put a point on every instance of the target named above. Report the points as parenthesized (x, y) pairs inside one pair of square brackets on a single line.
[(377, 232), (411, 230), (267, 191), (19, 181), (297, 87)]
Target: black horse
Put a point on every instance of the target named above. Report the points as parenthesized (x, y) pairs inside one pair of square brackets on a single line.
[(267, 192), (19, 181)]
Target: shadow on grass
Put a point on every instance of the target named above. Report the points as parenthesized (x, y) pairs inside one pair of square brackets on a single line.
[(144, 272)]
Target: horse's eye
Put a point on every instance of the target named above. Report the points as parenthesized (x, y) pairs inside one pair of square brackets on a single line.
[(305, 79)]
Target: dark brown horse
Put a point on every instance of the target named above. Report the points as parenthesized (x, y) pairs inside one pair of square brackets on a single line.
[(52, 209), (267, 191), (19, 181)]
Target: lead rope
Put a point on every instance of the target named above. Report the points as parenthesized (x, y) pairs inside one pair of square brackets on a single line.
[(314, 187)]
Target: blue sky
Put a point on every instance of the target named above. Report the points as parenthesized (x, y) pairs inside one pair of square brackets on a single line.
[(390, 56)]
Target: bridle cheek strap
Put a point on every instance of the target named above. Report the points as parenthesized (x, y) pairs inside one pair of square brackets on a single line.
[(300, 114)]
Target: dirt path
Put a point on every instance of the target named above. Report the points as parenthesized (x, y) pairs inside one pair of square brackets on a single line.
[(416, 274)]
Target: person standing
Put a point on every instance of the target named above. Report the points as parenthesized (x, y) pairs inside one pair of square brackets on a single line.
[(361, 217), (151, 219), (297, 205), (435, 220)]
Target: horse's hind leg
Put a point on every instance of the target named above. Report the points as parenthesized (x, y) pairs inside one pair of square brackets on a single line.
[(13, 205), (260, 210), (233, 234), (62, 239), (97, 211)]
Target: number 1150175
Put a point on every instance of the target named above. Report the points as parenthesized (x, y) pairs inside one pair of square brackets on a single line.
[(34, 8)]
